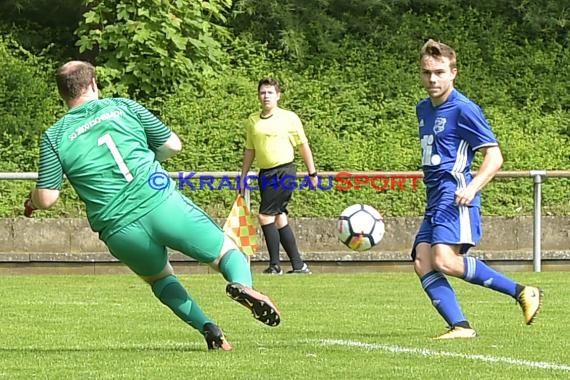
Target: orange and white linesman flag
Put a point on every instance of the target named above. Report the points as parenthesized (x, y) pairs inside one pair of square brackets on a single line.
[(240, 226)]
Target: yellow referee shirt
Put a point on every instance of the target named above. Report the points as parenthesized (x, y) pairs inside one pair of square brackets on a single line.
[(275, 137)]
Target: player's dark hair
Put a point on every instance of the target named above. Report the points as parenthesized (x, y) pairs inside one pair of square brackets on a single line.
[(269, 81), (437, 50), (73, 78)]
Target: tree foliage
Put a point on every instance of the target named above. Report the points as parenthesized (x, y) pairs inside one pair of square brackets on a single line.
[(149, 47), (348, 68), (44, 27), (312, 30)]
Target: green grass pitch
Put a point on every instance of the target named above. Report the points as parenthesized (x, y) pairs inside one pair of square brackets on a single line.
[(335, 326)]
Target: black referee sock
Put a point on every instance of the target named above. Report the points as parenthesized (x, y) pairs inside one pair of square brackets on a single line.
[(271, 236), (290, 245)]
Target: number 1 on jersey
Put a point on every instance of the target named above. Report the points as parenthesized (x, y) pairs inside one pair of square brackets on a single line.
[(108, 140)]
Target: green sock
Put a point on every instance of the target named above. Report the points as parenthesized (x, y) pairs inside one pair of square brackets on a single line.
[(171, 293), (235, 268)]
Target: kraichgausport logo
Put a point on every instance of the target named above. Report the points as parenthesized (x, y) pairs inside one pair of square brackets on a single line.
[(342, 181)]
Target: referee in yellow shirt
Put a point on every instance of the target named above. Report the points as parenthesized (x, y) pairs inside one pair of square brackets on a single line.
[(271, 136)]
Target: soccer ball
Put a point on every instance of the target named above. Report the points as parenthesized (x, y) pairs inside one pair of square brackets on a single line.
[(360, 227)]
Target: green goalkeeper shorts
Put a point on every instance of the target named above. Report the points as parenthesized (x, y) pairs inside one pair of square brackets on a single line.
[(177, 224)]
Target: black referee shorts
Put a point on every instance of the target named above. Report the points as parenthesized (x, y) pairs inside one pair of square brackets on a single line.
[(275, 189)]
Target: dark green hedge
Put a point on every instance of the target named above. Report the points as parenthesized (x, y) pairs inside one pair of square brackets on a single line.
[(358, 111)]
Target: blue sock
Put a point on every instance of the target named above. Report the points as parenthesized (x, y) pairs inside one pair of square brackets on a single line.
[(477, 272), (235, 268), (443, 297)]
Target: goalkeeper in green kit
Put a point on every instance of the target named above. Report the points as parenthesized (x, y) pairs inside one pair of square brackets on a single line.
[(109, 149)]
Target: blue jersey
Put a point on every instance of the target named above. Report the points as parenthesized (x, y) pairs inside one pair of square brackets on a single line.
[(450, 134)]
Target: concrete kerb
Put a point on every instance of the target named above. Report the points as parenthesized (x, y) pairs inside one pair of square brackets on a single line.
[(24, 240)]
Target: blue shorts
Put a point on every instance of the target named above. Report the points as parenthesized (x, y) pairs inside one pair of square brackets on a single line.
[(451, 225)]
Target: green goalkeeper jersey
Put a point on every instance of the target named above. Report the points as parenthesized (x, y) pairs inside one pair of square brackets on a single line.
[(106, 149)]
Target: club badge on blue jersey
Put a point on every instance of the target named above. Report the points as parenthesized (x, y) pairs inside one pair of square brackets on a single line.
[(439, 125)]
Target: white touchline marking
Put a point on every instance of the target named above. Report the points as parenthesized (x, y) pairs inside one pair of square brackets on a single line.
[(427, 352)]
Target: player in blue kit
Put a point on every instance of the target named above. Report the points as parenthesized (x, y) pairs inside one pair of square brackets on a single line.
[(452, 129)]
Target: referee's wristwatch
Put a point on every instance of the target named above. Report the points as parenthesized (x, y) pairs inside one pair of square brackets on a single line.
[(313, 174)]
